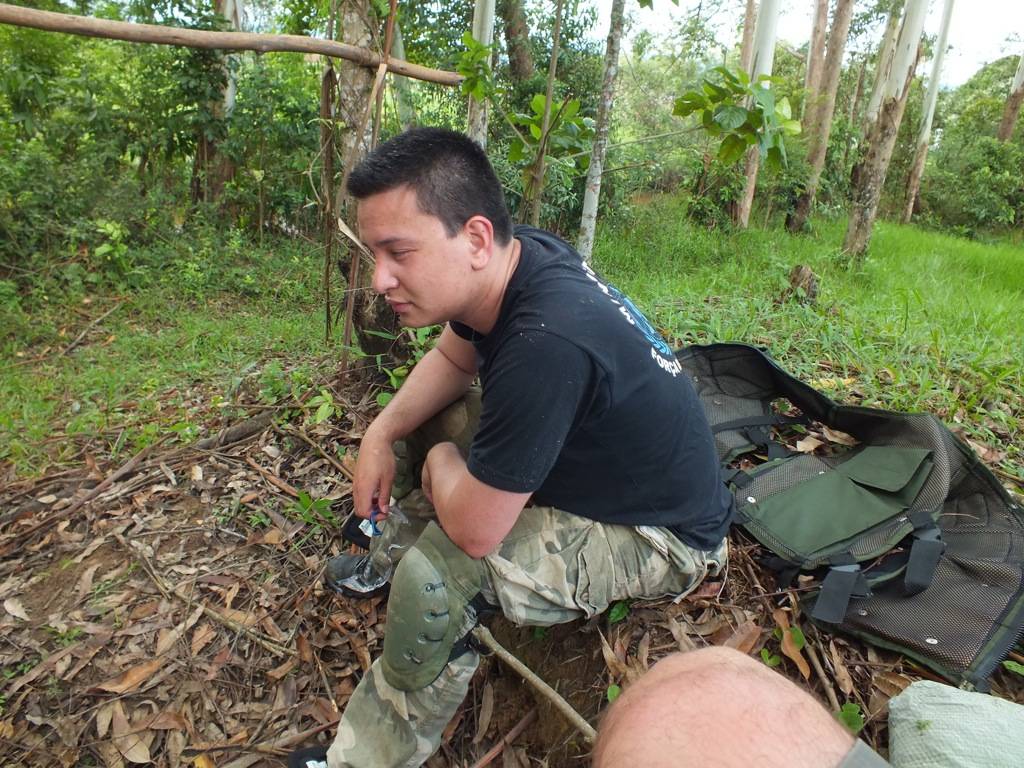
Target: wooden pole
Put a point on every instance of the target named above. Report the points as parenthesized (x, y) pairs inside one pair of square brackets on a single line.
[(227, 41)]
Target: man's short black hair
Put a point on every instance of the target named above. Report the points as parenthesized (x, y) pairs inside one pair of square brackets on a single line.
[(451, 175)]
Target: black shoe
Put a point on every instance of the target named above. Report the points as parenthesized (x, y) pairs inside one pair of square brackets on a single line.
[(310, 757), (354, 576)]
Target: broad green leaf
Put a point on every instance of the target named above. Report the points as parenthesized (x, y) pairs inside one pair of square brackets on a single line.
[(851, 717), (715, 91), (1013, 666), (799, 641), (792, 127), (730, 117), (537, 103), (783, 108), (618, 612), (771, 659), (323, 413), (383, 398), (732, 148), (614, 691), (570, 110)]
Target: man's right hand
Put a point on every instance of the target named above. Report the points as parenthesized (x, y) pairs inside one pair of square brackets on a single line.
[(375, 474)]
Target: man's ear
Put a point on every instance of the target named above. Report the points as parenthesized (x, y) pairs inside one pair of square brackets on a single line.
[(480, 233)]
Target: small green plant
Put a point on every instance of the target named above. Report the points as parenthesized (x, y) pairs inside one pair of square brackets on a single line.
[(475, 67), (614, 691), (541, 633), (258, 519), (743, 113), (325, 407), (769, 658), (618, 612), (314, 512), (65, 637), (851, 717)]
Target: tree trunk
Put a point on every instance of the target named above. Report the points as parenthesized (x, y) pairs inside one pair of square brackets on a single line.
[(327, 152), (884, 64), (355, 87), (760, 64), (534, 194), (517, 40), (592, 191), (483, 33), (815, 62), (747, 47), (402, 91), (881, 137), (1013, 104), (822, 111), (211, 169), (924, 135)]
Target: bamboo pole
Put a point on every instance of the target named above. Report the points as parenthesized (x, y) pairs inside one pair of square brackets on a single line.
[(227, 41)]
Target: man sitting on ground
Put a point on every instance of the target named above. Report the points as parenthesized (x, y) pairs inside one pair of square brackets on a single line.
[(586, 473)]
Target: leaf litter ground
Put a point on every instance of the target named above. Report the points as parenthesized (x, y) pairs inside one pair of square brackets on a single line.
[(169, 611)]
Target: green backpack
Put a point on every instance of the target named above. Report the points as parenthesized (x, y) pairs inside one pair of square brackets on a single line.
[(914, 543)]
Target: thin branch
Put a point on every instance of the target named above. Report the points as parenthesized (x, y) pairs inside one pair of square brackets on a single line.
[(484, 636), (226, 41)]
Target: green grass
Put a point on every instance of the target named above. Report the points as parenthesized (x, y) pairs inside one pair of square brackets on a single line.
[(173, 353), (928, 322)]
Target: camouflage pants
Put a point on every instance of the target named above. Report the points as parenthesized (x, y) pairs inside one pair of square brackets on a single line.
[(553, 567)]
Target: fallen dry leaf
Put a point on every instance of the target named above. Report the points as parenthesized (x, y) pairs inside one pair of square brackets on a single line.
[(808, 444), (127, 739), (789, 649), (203, 761), (14, 607), (682, 639), (835, 436), (483, 721), (745, 638), (202, 637), (103, 716), (131, 679), (280, 672), (616, 667), (843, 679), (304, 648)]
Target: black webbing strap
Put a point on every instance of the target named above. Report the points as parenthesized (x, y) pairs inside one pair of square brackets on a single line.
[(772, 420), (844, 580), (739, 478), (925, 550), (467, 642), (757, 430)]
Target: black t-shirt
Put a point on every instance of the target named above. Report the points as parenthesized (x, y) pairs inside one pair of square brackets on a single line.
[(585, 406)]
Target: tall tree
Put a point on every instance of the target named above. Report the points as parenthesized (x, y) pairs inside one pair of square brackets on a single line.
[(211, 168), (1013, 104), (815, 60), (533, 194), (881, 136), (747, 46), (483, 33), (592, 191), (517, 40), (761, 64), (925, 133), (821, 111), (883, 64)]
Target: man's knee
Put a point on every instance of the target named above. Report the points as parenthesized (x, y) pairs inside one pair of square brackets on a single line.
[(719, 706), (431, 593)]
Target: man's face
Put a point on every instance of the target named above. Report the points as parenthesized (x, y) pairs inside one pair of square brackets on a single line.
[(423, 273)]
